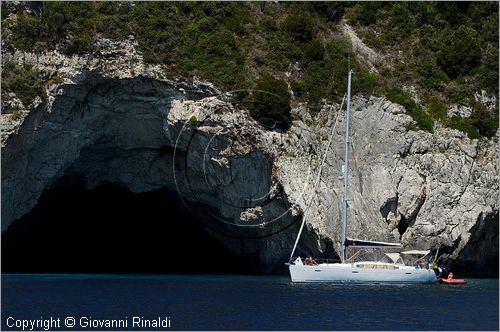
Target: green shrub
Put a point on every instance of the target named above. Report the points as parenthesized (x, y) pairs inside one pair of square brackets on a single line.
[(314, 51), (25, 31), (370, 38), (25, 82), (71, 21), (388, 37), (459, 51), (193, 120), (464, 125), (430, 75), (458, 92), (317, 83), (297, 88), (424, 121), (485, 122), (364, 82), (80, 43), (364, 13), (333, 11), (327, 78), (337, 54), (487, 72), (17, 115), (300, 26), (428, 37), (271, 102), (401, 18), (238, 17), (214, 56), (411, 127), (436, 108)]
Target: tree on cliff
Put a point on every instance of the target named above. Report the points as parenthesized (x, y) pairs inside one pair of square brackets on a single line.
[(271, 102)]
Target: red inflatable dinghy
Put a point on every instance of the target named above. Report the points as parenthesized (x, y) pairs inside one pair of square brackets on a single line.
[(452, 281)]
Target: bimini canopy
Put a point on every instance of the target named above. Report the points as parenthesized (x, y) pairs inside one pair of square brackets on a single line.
[(369, 244), (416, 252), (393, 257)]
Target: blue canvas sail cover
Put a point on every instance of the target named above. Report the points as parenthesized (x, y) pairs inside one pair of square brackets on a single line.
[(369, 244)]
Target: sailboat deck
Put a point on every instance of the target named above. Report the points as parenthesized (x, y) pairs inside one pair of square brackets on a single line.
[(369, 265)]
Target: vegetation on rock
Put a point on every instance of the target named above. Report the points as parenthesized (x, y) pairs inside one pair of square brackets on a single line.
[(25, 82), (424, 120), (446, 50), (271, 102), (450, 50)]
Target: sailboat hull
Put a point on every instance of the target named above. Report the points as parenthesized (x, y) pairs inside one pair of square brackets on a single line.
[(350, 273)]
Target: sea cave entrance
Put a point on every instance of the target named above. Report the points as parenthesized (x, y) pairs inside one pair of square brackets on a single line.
[(110, 229)]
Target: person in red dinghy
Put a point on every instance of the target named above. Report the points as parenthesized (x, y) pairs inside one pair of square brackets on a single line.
[(451, 281)]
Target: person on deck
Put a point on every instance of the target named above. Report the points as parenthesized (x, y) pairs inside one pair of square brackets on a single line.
[(450, 275)]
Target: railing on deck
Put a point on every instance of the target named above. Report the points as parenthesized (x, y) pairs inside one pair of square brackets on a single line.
[(317, 261)]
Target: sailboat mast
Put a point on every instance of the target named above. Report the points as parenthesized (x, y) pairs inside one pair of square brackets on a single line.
[(346, 169)]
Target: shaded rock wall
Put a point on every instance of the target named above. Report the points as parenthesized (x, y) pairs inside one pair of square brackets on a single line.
[(84, 115), (75, 230), (119, 131)]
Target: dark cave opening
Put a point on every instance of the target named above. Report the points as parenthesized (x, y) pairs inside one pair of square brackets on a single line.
[(110, 229)]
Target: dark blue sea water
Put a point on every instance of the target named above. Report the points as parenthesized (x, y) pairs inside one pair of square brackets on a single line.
[(200, 302)]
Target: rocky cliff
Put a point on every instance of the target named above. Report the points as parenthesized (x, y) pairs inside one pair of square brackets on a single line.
[(111, 118)]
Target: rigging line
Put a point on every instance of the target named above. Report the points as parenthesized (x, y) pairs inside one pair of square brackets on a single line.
[(307, 254), (317, 179)]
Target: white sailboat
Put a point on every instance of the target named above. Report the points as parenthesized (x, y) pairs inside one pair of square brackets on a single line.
[(393, 268)]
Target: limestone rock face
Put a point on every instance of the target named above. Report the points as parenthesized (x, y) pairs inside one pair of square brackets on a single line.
[(368, 55), (114, 119), (487, 100), (460, 110)]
